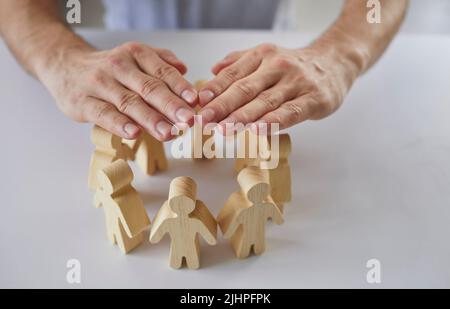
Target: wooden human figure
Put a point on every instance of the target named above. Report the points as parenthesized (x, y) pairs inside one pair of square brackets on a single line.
[(126, 217), (251, 149), (184, 218), (280, 176), (200, 137), (148, 153), (108, 148), (244, 216)]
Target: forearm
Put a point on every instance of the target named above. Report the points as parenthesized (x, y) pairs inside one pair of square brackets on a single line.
[(35, 34), (358, 40)]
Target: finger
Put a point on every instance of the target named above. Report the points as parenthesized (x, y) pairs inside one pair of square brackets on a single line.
[(109, 118), (243, 67), (131, 104), (153, 65), (238, 94), (267, 101), (155, 93), (169, 57), (289, 113), (229, 59)]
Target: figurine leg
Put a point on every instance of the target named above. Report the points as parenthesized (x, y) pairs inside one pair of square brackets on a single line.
[(176, 259), (259, 247), (193, 257)]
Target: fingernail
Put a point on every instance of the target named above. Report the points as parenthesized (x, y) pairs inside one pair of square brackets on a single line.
[(207, 115), (206, 96), (172, 59), (163, 128), (189, 95), (184, 114), (130, 129)]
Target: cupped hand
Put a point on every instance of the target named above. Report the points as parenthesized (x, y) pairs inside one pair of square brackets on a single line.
[(126, 89), (270, 84)]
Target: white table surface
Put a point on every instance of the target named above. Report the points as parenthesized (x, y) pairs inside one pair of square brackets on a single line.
[(372, 181)]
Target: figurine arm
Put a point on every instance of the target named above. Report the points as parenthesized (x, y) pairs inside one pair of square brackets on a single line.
[(274, 213), (160, 228), (207, 224), (230, 216)]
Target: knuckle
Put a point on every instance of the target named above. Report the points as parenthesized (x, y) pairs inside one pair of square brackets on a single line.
[(98, 77), (115, 60), (126, 101), (167, 107), (103, 112), (311, 85), (76, 113), (300, 78), (76, 98), (246, 89), (266, 48), (133, 48), (118, 120), (220, 108), (268, 99), (164, 72), (296, 112), (149, 86), (323, 108), (283, 62), (231, 73), (215, 86)]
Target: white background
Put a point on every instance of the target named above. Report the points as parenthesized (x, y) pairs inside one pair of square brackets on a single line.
[(372, 181)]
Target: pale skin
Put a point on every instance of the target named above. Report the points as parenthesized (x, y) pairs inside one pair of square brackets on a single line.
[(136, 86)]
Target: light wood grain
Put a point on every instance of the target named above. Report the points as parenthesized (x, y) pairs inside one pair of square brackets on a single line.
[(184, 218), (126, 217), (148, 153), (108, 148), (244, 216)]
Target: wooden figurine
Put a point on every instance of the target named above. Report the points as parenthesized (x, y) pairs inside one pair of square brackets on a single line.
[(108, 148), (244, 216), (126, 217), (183, 217), (280, 176), (148, 153), (200, 137)]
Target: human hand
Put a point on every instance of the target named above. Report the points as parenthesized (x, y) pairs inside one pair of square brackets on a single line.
[(122, 89), (270, 84)]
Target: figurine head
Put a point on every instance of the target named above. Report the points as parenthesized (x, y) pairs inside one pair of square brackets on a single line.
[(254, 183), (182, 195), (115, 176)]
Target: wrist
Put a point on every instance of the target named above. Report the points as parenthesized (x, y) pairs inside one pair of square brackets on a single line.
[(60, 44), (351, 53)]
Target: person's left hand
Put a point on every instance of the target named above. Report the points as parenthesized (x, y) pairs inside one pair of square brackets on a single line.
[(271, 84)]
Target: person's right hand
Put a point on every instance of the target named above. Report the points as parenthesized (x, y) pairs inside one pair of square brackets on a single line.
[(131, 86)]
